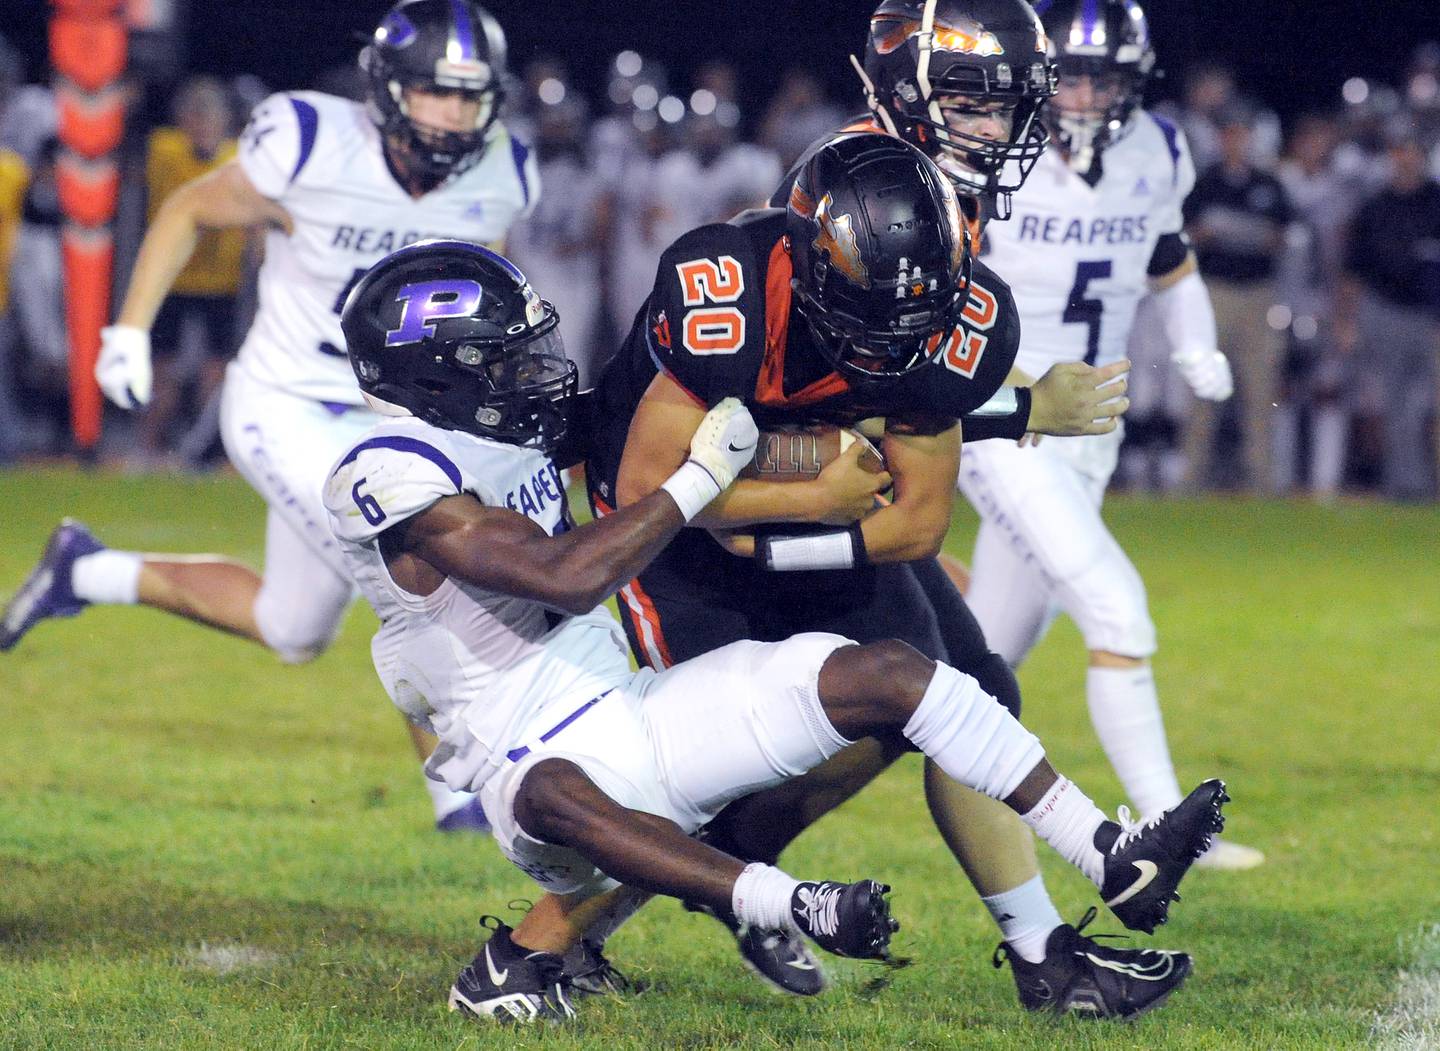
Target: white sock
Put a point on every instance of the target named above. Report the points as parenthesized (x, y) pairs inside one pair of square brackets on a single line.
[(111, 577), (1026, 916), (1067, 820), (761, 897), (971, 736), (445, 801), (1126, 713)]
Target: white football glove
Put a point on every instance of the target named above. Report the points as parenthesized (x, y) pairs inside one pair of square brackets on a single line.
[(1207, 372), (123, 369), (719, 449), (725, 441)]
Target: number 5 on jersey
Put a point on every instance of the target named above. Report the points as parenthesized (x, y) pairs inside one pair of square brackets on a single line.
[(712, 329)]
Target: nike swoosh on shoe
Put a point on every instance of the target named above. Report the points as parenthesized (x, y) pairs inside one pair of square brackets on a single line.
[(1148, 872)]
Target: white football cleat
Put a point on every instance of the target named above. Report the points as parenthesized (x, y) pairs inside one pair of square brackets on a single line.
[(1229, 857)]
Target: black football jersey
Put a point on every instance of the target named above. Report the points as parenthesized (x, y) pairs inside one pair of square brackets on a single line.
[(720, 323)]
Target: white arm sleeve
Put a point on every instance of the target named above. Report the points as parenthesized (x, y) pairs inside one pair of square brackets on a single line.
[(1187, 316)]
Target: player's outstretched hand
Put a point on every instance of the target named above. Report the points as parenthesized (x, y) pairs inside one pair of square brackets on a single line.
[(123, 369), (724, 443), (847, 488), (1075, 398), (1207, 372)]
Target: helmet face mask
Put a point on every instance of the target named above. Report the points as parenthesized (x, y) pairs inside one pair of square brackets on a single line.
[(422, 54), (453, 334), (929, 64), (881, 257), (1103, 52)]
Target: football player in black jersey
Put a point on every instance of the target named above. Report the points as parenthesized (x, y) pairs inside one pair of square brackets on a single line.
[(860, 300)]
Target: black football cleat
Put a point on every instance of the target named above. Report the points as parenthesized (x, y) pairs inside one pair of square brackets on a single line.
[(590, 972), (847, 919), (510, 984), (1145, 863), (780, 959), (46, 592), (1082, 977)]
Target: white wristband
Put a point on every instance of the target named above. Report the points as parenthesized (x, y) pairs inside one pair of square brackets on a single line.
[(691, 487), (788, 554)]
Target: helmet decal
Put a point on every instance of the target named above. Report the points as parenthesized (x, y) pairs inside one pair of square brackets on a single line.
[(429, 301), (396, 30), (836, 239), (801, 203), (892, 31)]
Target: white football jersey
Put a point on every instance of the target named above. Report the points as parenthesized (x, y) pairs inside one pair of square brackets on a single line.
[(321, 158), (473, 666), (1075, 256)]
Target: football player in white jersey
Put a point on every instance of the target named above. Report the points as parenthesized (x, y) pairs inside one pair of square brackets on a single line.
[(1096, 227), (453, 522), (339, 184)]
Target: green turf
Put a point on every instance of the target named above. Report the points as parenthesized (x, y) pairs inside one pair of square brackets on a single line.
[(170, 797)]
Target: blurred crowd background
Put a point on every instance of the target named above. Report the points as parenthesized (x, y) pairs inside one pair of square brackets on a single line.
[(1319, 238)]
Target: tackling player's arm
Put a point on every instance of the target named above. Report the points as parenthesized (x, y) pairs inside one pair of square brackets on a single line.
[(659, 434), (575, 570), (502, 550)]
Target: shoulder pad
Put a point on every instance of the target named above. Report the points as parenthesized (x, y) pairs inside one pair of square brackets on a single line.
[(279, 141), (706, 315), (982, 351), (385, 479)]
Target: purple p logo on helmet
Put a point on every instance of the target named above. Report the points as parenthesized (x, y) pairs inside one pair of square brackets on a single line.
[(429, 301)]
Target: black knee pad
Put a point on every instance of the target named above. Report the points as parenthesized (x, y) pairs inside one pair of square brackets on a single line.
[(998, 680)]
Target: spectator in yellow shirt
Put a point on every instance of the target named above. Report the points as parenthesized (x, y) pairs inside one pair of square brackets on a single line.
[(14, 178), (203, 295)]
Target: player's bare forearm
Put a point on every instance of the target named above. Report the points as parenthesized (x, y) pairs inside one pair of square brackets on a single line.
[(223, 198), (914, 524), (659, 442), (504, 551)]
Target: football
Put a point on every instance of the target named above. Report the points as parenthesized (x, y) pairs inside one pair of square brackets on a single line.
[(798, 454)]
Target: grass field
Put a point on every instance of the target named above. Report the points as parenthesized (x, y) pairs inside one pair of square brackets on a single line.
[(199, 848)]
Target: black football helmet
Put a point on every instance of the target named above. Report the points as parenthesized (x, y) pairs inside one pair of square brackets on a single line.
[(1107, 41), (435, 45), (452, 333), (926, 56), (881, 255)]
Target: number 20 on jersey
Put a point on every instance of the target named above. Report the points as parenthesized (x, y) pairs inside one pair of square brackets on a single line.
[(712, 329)]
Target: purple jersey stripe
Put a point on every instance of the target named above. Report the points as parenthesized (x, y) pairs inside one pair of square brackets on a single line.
[(519, 151), (464, 28), (408, 445), (309, 122), (1172, 143)]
